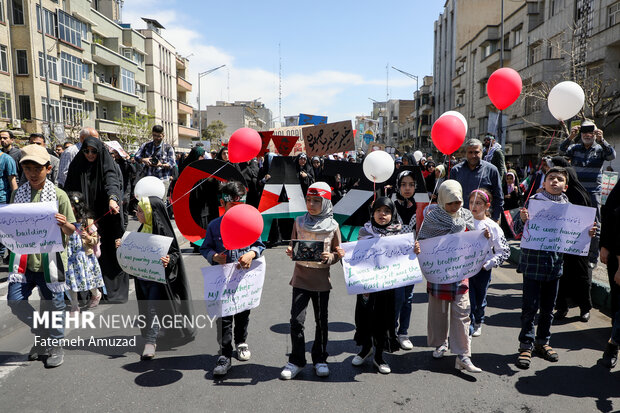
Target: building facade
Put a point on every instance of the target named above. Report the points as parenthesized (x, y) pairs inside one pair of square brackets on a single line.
[(236, 115)]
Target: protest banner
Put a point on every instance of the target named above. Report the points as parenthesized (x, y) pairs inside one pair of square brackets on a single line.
[(454, 257), (558, 227), (305, 119), (328, 138), (229, 290), (378, 264), (140, 255), (30, 228), (610, 179)]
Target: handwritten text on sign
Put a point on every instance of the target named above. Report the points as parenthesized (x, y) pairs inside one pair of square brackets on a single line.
[(230, 290), (558, 227), (378, 264), (140, 255), (328, 138), (30, 228), (454, 257), (609, 181)]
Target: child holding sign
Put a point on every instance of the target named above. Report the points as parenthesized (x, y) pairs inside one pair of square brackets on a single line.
[(480, 205), (374, 312), (311, 280), (83, 272), (449, 218), (232, 193), (541, 278), (403, 296), (45, 271)]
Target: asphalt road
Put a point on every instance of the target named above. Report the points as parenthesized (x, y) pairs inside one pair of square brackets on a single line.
[(181, 379)]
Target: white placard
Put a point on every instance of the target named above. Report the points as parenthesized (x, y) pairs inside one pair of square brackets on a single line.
[(454, 257), (30, 228), (140, 255), (378, 264), (558, 227), (230, 290), (608, 182)]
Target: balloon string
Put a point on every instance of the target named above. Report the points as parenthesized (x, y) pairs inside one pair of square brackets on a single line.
[(374, 190), (539, 168), (198, 184)]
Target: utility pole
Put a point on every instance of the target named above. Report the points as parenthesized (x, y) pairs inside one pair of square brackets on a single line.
[(46, 69), (500, 131)]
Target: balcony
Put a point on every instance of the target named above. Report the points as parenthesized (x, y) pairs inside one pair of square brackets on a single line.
[(183, 85), (107, 92), (107, 57), (107, 126), (185, 132), (185, 108), (492, 60), (543, 70), (425, 130)]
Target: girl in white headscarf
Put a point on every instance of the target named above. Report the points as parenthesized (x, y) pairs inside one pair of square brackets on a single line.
[(449, 218)]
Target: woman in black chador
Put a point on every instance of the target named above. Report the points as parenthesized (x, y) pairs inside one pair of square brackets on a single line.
[(93, 172)]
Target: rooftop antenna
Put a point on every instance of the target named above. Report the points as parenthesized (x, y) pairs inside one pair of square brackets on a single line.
[(387, 81), (228, 84)]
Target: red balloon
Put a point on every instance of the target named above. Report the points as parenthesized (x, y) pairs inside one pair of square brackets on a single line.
[(241, 226), (448, 134), (243, 145), (504, 87)]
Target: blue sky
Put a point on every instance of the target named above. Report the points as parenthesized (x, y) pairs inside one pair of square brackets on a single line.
[(334, 53)]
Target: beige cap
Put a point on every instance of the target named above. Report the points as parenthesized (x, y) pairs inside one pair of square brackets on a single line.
[(35, 153)]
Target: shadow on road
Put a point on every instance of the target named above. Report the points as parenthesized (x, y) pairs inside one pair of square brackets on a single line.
[(575, 382), (164, 371), (335, 327)]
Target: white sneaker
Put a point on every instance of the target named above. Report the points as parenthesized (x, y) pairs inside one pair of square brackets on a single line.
[(222, 366), (383, 368), (243, 352), (405, 343), (359, 359), (290, 371), (465, 363), (477, 330), (321, 369), (440, 351)]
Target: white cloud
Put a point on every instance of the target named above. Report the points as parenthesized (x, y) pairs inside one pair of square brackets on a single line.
[(315, 93)]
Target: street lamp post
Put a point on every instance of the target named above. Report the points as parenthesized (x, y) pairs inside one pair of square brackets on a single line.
[(200, 75)]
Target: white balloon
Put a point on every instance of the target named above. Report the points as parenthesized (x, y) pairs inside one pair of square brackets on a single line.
[(417, 155), (378, 166), (565, 100), (150, 186), (458, 115)]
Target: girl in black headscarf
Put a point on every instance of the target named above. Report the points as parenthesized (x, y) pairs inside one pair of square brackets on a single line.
[(375, 312), (170, 299), (94, 173), (304, 172), (576, 280), (197, 153)]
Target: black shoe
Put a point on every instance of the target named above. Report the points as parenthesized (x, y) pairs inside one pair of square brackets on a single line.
[(560, 314), (56, 357), (610, 356), (585, 317), (37, 351)]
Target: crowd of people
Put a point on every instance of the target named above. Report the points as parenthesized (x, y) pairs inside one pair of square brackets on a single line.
[(93, 184)]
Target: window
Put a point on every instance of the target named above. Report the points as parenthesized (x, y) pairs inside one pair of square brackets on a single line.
[(613, 13), (483, 88), (55, 109), (84, 31), (488, 49), (72, 111), (4, 62), (85, 71), (52, 67), (49, 21), (71, 70), (2, 11), (127, 53), (21, 57), (555, 44), (535, 53), (128, 83), (138, 58), (69, 29), (24, 107), (517, 36), (483, 124), (18, 11), (5, 105)]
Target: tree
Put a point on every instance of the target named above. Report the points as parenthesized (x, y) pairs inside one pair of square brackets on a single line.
[(134, 128), (214, 133)]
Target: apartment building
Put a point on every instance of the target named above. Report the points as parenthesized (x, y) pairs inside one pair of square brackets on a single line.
[(67, 65), (239, 114), (415, 132), (187, 134), (539, 39)]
